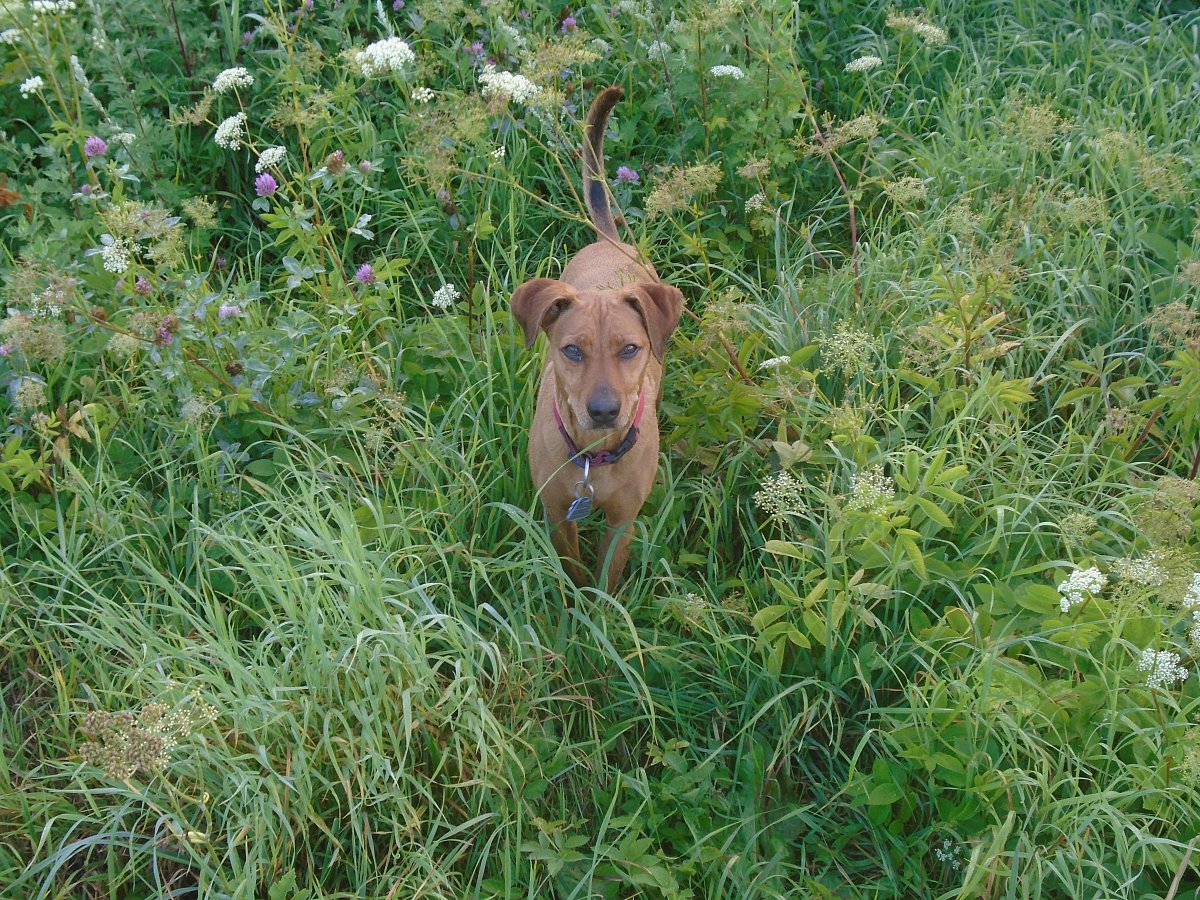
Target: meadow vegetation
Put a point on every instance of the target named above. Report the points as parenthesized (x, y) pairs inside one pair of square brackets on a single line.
[(914, 610)]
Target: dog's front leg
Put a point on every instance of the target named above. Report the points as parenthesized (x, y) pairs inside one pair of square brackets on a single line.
[(614, 550), (565, 537)]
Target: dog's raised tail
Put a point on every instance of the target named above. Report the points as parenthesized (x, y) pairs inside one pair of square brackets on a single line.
[(595, 195)]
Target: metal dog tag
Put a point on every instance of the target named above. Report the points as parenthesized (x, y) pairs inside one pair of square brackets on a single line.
[(580, 508)]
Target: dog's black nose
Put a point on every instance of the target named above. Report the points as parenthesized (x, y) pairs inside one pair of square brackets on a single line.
[(603, 409)]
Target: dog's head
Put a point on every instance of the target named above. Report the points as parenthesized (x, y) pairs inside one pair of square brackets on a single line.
[(601, 342)]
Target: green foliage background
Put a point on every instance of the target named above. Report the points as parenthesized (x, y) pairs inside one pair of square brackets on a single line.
[(279, 616)]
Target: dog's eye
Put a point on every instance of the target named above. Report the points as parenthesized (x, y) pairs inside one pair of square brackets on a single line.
[(629, 351), (573, 353)]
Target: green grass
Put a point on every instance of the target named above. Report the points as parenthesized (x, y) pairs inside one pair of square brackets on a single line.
[(332, 567)]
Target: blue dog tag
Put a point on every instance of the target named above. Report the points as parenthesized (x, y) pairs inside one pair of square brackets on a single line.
[(580, 508)]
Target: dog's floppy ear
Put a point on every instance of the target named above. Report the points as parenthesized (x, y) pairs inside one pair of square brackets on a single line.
[(660, 307), (538, 302)]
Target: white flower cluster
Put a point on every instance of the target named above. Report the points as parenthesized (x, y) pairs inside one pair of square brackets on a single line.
[(781, 495), (774, 362), (727, 72), (871, 490), (270, 159), (389, 55), (508, 85), (50, 7), (930, 33), (1191, 601), (444, 297), (232, 78), (498, 153), (658, 50), (423, 94), (124, 138), (230, 132), (1144, 571), (117, 254), (1162, 667), (10, 36), (32, 85), (757, 202), (864, 64), (600, 45), (1078, 583)]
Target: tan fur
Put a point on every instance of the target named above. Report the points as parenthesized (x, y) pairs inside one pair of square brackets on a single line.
[(606, 299)]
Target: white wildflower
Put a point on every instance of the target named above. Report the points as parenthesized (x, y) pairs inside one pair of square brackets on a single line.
[(50, 7), (757, 202), (507, 85), (658, 50), (231, 131), (32, 85), (444, 297), (727, 72), (864, 64), (774, 362), (949, 854), (232, 78), (1078, 583), (270, 159), (930, 34), (498, 153), (389, 55), (117, 253), (1191, 598), (781, 495), (1162, 667), (422, 94), (124, 138), (10, 36), (602, 46), (1144, 571), (871, 490)]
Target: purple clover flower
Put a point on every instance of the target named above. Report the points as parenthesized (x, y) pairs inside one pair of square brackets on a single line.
[(94, 146), (626, 175), (142, 286), (165, 338), (476, 51), (228, 311), (523, 14), (397, 5), (365, 274), (265, 185), (5, 349), (569, 24)]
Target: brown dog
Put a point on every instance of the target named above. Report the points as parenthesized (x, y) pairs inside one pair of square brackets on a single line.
[(594, 441)]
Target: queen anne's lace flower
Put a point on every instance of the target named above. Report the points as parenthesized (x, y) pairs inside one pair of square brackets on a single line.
[(781, 495), (270, 158), (1078, 583), (444, 297), (10, 36), (774, 362), (1162, 667), (32, 85), (117, 255), (422, 94), (727, 72), (231, 131), (389, 55), (232, 78), (871, 490), (507, 85), (864, 64)]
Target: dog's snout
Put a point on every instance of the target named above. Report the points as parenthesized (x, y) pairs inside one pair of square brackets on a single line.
[(603, 407)]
